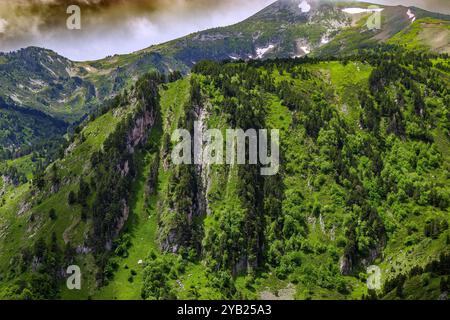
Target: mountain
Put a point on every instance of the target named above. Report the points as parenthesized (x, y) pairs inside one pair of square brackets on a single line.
[(43, 80), (286, 29), (395, 22), (362, 179), (40, 79)]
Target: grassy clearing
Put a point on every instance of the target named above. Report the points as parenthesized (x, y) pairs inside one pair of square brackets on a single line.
[(347, 80), (278, 115), (12, 225), (425, 34)]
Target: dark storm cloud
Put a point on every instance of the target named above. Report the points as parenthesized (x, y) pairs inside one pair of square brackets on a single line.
[(113, 26), (50, 14)]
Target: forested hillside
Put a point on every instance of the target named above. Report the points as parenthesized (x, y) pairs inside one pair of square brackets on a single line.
[(36, 79), (363, 180)]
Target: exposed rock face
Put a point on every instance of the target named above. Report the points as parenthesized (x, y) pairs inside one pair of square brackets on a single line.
[(70, 148), (123, 218), (8, 180), (150, 186), (83, 250), (138, 135), (124, 169), (175, 234), (3, 189), (54, 188), (35, 264), (201, 170), (172, 236), (373, 255), (443, 296), (241, 266), (210, 37), (346, 265), (24, 207), (171, 242)]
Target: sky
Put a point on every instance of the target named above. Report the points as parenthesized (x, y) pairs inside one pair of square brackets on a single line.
[(122, 26)]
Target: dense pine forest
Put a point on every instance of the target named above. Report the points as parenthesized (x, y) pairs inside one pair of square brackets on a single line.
[(363, 180)]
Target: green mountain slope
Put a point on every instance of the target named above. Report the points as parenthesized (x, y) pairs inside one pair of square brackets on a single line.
[(363, 177), (23, 130), (284, 30), (426, 34), (363, 181), (57, 204), (399, 26)]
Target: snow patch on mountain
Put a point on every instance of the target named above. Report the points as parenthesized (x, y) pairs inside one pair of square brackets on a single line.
[(16, 99), (306, 49), (411, 15), (325, 39), (304, 6), (260, 52)]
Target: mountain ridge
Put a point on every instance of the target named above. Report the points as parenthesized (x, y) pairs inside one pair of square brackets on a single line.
[(97, 80), (354, 188), (363, 179)]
